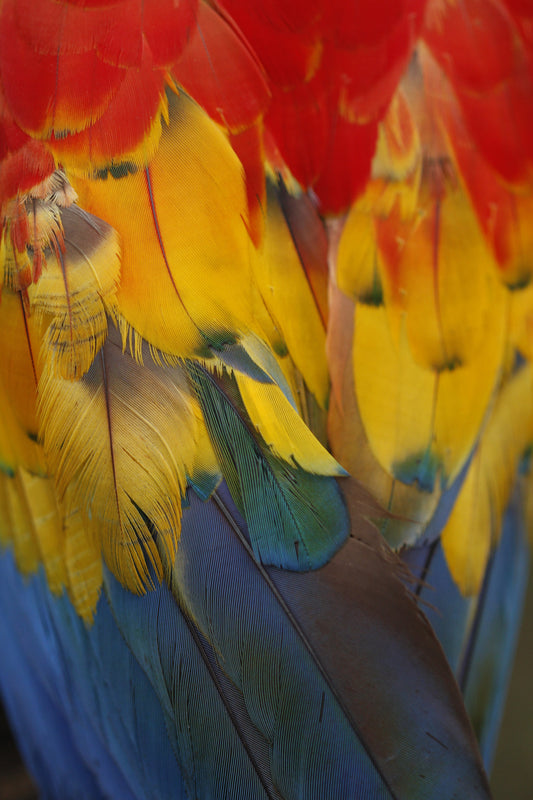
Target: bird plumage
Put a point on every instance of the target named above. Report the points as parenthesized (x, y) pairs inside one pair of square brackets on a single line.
[(265, 392)]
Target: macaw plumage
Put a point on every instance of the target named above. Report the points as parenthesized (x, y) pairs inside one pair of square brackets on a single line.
[(266, 387)]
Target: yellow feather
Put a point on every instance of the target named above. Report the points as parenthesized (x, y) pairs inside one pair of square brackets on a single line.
[(123, 438), (358, 273), (282, 428), (19, 373), (77, 286), (310, 410), (33, 525), (465, 395), (473, 528), (18, 522), (204, 471), (420, 425), (38, 496), (186, 274), (285, 289), (439, 279), (395, 395), (6, 532), (408, 410), (410, 507), (521, 320), (83, 562)]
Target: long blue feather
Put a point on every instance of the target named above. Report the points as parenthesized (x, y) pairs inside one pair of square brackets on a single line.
[(213, 759), (308, 737), (478, 634), (330, 686), (243, 681), (83, 702), (486, 669)]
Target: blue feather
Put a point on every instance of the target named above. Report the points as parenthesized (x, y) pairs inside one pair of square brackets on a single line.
[(332, 691), (486, 669), (83, 702), (287, 700), (240, 681), (213, 759), (479, 633)]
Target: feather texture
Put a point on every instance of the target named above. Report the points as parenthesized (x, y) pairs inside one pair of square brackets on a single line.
[(297, 519), (265, 320), (480, 644), (118, 496), (302, 649), (77, 291)]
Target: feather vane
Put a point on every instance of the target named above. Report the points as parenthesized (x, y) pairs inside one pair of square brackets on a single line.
[(124, 504)]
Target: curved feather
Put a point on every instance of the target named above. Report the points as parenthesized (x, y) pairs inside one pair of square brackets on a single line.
[(297, 519), (272, 644), (77, 290), (475, 522), (479, 632), (107, 467), (69, 674), (201, 291), (333, 202)]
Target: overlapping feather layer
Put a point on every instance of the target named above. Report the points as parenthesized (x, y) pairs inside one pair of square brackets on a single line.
[(255, 248)]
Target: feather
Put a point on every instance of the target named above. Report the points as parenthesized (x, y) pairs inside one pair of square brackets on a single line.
[(478, 633), (246, 249), (296, 519), (425, 275), (17, 524), (169, 651), (37, 495), (488, 486), (89, 76), (274, 386), (107, 467), (493, 92), (216, 59), (310, 242), (282, 429), (283, 284), (439, 424), (166, 222), (83, 562), (410, 507), (486, 668), (283, 629), (77, 290), (19, 375), (64, 668)]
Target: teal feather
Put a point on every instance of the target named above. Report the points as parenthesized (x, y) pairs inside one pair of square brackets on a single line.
[(296, 519)]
